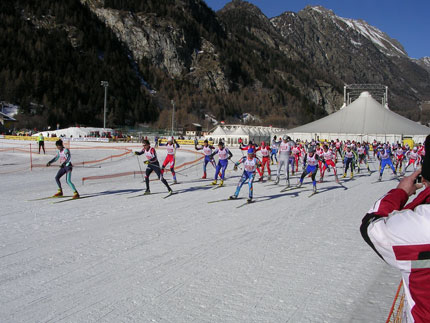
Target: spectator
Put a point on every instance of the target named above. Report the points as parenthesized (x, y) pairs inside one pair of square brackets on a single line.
[(41, 141), (400, 235)]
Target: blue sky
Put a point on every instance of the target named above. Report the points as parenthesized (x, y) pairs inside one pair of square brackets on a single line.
[(405, 20)]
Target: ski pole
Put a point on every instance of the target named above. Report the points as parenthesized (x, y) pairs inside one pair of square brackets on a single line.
[(138, 162)]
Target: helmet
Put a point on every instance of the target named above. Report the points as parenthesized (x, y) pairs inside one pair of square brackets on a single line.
[(250, 150), (206, 141), (285, 137), (263, 143), (169, 138), (415, 148), (311, 149)]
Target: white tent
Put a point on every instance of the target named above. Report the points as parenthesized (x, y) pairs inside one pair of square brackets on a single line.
[(365, 119), (231, 134)]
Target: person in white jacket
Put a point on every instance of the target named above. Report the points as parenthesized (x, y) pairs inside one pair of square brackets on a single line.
[(400, 235)]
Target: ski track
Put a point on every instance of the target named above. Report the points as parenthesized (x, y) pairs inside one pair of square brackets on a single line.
[(108, 258)]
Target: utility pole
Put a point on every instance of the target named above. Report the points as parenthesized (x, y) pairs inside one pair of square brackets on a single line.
[(173, 114), (105, 84)]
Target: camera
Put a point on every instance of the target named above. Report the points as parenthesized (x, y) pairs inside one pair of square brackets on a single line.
[(419, 179)]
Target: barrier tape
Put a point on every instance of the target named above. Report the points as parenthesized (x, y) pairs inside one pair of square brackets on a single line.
[(139, 172)]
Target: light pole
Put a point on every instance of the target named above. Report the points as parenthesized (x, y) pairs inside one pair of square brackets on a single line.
[(105, 84), (173, 114)]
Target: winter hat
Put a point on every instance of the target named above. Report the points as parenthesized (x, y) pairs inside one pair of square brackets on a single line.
[(425, 170)]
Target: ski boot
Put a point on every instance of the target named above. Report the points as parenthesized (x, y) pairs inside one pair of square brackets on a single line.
[(277, 180), (344, 175), (147, 192), (58, 194), (214, 182), (336, 178), (321, 180), (232, 197), (288, 183), (249, 200), (352, 174), (221, 183), (380, 178), (314, 189), (299, 184), (260, 179), (75, 195), (204, 176), (269, 178)]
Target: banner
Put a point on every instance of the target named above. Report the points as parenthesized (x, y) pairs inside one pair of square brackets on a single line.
[(31, 138), (183, 142)]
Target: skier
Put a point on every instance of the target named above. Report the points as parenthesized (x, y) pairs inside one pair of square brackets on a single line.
[(171, 146), (328, 158), (265, 152), (349, 159), (362, 157), (153, 166), (399, 153), (284, 158), (310, 165), (338, 145), (413, 158), (296, 153), (207, 151), (274, 152), (224, 154), (66, 167), (251, 163), (384, 156)]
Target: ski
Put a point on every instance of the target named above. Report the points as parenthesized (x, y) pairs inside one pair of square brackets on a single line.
[(143, 194), (218, 186), (50, 197), (246, 203), (169, 194), (312, 194), (224, 200), (289, 188), (71, 199)]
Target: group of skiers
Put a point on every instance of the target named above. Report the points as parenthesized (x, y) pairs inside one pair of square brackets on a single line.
[(288, 154)]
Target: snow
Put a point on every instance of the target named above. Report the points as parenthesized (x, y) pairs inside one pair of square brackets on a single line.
[(112, 258)]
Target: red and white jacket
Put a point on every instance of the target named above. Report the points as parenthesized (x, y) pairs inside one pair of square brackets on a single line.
[(400, 235)]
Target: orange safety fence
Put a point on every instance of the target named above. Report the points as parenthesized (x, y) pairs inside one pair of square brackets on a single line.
[(107, 176), (396, 311), (83, 163)]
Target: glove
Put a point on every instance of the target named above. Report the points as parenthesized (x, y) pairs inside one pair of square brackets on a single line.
[(235, 167), (136, 153), (146, 162), (48, 164), (63, 165)]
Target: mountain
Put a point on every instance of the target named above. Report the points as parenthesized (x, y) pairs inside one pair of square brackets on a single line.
[(354, 52), (286, 71)]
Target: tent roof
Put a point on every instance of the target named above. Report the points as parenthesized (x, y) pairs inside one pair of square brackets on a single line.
[(364, 116), (218, 132), (239, 132)]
